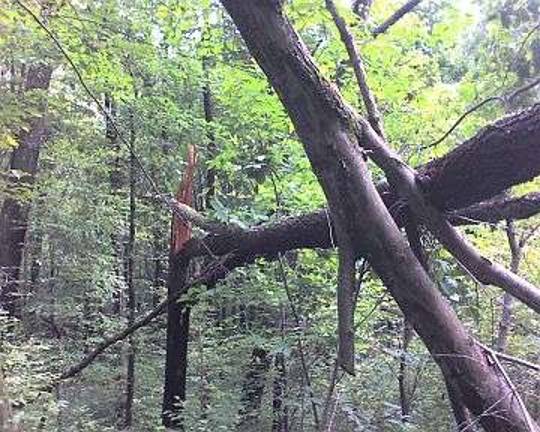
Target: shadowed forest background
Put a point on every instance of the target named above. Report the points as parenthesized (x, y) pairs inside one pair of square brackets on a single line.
[(167, 259)]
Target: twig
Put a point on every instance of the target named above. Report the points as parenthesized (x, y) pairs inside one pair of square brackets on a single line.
[(296, 317), (347, 38), (395, 17), (526, 236), (493, 355), (509, 358), (117, 337), (503, 99)]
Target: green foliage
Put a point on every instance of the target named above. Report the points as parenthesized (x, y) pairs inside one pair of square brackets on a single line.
[(154, 60)]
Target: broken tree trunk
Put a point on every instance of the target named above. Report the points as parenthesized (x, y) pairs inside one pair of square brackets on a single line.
[(174, 393)]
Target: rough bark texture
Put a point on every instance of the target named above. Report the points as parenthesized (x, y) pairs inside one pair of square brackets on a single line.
[(327, 129), (498, 209), (312, 230), (14, 214), (512, 156)]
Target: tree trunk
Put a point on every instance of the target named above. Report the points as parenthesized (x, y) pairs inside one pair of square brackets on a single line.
[(14, 213), (131, 294), (174, 394), (208, 103), (329, 132), (115, 177)]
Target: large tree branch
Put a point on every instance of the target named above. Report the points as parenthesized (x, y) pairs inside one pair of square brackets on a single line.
[(403, 178), (306, 231), (501, 155), (493, 160), (500, 208), (313, 230)]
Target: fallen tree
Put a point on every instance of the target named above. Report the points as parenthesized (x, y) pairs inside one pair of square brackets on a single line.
[(335, 144), (503, 154)]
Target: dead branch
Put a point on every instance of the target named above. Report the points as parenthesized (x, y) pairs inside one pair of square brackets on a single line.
[(395, 17)]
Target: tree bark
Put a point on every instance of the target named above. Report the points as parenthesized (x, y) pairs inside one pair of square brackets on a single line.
[(178, 311), (208, 105), (174, 393), (327, 128), (462, 415), (15, 212)]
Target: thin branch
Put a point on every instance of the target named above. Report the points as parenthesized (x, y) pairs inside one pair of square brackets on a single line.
[(493, 355), (209, 276), (509, 358), (347, 38), (395, 17), (526, 236), (285, 282), (504, 99)]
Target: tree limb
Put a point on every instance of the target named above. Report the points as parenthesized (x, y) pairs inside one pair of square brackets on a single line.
[(395, 17), (347, 38), (500, 208)]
